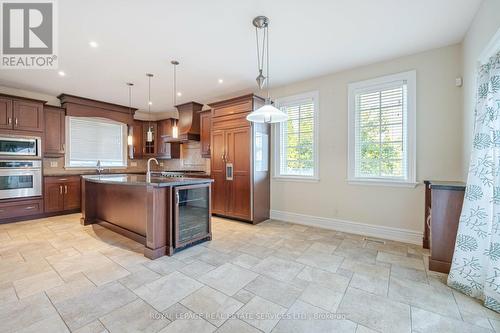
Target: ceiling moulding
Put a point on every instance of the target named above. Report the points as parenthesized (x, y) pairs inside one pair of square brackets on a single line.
[(85, 107)]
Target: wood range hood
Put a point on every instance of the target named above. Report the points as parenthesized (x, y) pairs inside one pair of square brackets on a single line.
[(188, 123)]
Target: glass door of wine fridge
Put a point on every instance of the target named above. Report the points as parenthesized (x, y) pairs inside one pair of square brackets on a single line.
[(192, 214)]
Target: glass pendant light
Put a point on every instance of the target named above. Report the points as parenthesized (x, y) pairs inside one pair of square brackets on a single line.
[(149, 135), (175, 129), (267, 113), (130, 140)]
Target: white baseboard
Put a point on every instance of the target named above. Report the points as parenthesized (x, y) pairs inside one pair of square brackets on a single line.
[(396, 234)]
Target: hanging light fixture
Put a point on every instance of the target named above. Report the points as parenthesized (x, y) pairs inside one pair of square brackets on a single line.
[(175, 129), (130, 140), (267, 113), (149, 135)]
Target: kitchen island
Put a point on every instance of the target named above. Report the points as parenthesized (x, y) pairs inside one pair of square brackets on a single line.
[(164, 214)]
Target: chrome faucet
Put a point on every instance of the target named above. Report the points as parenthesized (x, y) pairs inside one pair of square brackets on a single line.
[(98, 167), (148, 173)]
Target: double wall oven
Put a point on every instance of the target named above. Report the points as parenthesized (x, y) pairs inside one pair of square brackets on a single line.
[(20, 167)]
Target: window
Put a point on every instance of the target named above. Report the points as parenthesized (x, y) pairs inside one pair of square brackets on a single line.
[(296, 147), (91, 139), (382, 130)]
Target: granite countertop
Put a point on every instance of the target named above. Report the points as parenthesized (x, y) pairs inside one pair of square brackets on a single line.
[(86, 172), (447, 185), (129, 179)]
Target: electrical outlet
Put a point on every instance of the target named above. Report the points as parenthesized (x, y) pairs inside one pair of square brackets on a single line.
[(133, 164), (161, 164), (54, 164)]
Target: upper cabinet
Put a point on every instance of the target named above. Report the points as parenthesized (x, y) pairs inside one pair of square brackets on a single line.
[(54, 119), (21, 114), (205, 130), (149, 147), (135, 150)]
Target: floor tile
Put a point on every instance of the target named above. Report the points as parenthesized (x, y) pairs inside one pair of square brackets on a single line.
[(301, 315), (273, 290), (52, 324), (73, 287), (237, 326), (84, 309), (136, 316), (376, 312), (424, 296), (279, 269), (212, 305), (334, 281), (425, 321), (371, 284), (408, 274), (246, 261), (322, 297), (21, 314), (400, 260), (196, 268), (228, 278), (167, 290), (197, 325), (140, 275), (105, 274), (366, 269), (164, 265), (321, 260), (261, 313)]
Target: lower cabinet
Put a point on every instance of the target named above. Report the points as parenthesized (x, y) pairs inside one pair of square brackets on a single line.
[(61, 193), (20, 208)]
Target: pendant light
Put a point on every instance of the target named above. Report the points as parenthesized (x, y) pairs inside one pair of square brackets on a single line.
[(149, 135), (175, 129), (130, 140), (267, 113)]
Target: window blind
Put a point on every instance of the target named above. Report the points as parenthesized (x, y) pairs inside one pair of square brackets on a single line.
[(381, 132), (297, 139), (92, 140)]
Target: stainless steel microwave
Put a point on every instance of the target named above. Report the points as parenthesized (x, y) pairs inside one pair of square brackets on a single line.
[(20, 146)]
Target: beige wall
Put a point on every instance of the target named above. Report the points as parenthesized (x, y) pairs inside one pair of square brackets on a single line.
[(439, 144), (484, 26)]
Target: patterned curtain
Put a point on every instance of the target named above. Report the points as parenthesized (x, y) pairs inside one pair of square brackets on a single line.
[(475, 269)]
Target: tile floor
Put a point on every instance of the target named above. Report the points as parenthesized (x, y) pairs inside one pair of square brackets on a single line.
[(57, 276)]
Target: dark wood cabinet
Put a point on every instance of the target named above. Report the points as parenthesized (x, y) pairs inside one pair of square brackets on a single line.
[(166, 148), (149, 148), (443, 206), (62, 194), (165, 127), (241, 177), (21, 114), (28, 116), (205, 132), (18, 208), (5, 113), (54, 119), (136, 149)]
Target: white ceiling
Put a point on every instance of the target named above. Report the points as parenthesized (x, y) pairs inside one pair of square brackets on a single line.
[(215, 39)]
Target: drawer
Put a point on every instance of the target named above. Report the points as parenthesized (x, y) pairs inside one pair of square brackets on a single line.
[(61, 179), (21, 208)]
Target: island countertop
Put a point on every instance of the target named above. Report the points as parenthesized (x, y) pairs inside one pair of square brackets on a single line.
[(156, 181)]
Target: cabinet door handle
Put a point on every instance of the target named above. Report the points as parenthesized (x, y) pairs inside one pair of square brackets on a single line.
[(9, 121), (63, 179), (65, 189), (15, 122), (176, 198), (60, 189), (29, 208)]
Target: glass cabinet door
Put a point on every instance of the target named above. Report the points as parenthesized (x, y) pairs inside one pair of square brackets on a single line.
[(192, 213)]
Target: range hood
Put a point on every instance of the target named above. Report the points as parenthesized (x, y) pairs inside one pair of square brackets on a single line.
[(188, 123)]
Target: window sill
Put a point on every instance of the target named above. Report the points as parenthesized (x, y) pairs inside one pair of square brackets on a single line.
[(381, 182), (296, 179), (94, 168)]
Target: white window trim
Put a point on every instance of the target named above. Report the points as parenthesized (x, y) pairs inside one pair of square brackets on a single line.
[(104, 120), (353, 88), (277, 144)]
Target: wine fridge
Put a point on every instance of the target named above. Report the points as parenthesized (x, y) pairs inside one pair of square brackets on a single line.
[(192, 215)]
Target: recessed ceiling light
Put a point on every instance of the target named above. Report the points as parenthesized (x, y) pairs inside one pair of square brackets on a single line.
[(150, 103), (221, 81), (61, 73), (179, 94), (93, 44)]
